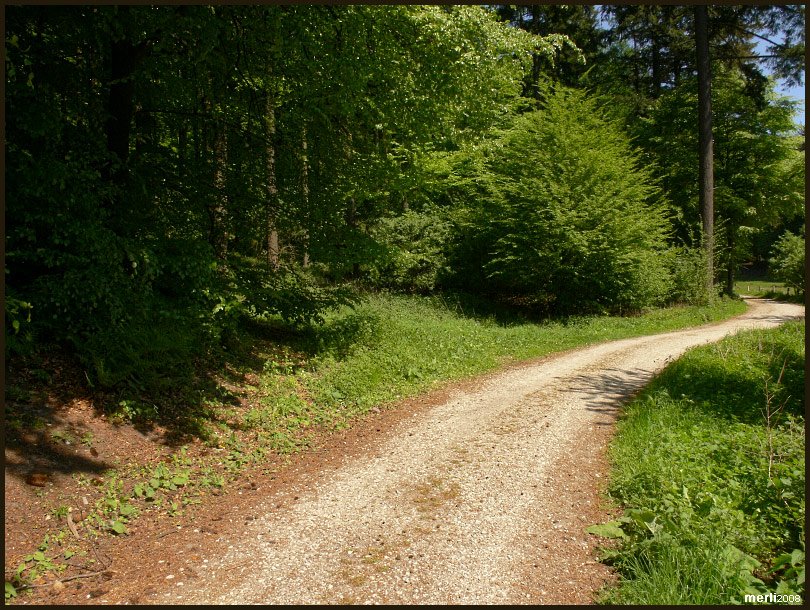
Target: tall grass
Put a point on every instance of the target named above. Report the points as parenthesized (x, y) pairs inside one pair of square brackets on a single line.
[(709, 462), (395, 346)]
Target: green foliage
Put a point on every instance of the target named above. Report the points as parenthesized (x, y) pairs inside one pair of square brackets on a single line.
[(709, 462), (416, 256), (688, 265), (377, 352), (758, 173), (788, 262), (562, 215), (11, 591), (293, 294), (18, 320), (151, 151)]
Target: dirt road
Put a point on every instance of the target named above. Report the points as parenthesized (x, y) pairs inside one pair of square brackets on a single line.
[(481, 499)]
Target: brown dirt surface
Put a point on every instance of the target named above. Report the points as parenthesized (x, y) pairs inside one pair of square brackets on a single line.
[(478, 492)]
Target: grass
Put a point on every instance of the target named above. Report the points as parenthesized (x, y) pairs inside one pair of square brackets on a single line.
[(709, 463), (394, 346), (767, 289), (281, 383)]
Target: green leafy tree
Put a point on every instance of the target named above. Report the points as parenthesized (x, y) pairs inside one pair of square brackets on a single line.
[(171, 169), (577, 22), (757, 173), (561, 215), (788, 262)]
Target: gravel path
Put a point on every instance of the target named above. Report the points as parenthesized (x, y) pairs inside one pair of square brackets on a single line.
[(482, 499)]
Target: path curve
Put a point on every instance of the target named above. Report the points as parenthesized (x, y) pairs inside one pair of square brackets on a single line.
[(482, 499)]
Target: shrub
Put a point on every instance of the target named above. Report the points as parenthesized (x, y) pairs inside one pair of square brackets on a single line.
[(787, 263), (563, 215), (688, 268), (416, 256)]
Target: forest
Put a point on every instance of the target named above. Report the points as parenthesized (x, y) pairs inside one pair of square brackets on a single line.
[(175, 173), (247, 244)]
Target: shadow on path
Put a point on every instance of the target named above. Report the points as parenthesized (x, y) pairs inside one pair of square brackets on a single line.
[(604, 392)]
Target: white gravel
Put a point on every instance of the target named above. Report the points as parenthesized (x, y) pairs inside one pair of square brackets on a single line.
[(446, 511)]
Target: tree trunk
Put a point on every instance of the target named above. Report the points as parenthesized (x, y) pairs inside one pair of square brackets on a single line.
[(636, 61), (305, 194), (120, 105), (731, 233), (218, 210), (271, 205), (124, 59), (656, 67), (705, 144)]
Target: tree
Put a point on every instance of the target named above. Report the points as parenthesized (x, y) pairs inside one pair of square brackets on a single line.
[(758, 173), (725, 33), (166, 163), (788, 262), (705, 144), (576, 22), (560, 214)]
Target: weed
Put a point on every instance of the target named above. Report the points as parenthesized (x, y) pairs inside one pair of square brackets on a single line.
[(32, 567), (709, 463), (62, 436)]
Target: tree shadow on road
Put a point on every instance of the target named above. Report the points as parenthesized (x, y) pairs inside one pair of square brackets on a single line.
[(605, 392)]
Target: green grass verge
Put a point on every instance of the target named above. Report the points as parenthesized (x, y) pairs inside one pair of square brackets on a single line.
[(767, 289), (394, 346), (709, 463)]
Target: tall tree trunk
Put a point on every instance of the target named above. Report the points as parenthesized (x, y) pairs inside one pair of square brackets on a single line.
[(219, 205), (305, 194), (120, 106), (656, 67), (271, 205), (705, 144), (125, 56), (731, 242)]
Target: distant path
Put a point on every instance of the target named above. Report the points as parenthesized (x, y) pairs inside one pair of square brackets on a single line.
[(481, 499)]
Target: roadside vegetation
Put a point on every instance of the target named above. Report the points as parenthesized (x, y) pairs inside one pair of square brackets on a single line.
[(319, 378), (709, 465)]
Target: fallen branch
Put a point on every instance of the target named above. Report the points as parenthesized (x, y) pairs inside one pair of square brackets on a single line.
[(63, 580), (72, 526)]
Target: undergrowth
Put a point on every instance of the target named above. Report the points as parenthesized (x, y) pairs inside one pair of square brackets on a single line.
[(394, 346), (278, 383), (709, 463)]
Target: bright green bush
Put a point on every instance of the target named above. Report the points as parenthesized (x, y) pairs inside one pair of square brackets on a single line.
[(788, 260), (416, 257), (563, 216), (688, 268)]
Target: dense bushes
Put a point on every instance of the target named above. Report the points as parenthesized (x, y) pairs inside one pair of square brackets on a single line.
[(788, 261), (561, 215), (416, 247)]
